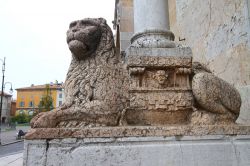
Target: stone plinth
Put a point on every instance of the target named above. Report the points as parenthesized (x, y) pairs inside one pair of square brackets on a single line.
[(159, 91), (133, 146), (137, 131), (170, 52)]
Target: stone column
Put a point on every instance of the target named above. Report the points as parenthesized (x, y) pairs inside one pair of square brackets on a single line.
[(151, 24)]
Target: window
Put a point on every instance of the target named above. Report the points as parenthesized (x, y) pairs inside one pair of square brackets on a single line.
[(31, 104), (60, 103), (60, 95), (21, 104)]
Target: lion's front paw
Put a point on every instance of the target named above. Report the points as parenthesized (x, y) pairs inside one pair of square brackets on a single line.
[(44, 120)]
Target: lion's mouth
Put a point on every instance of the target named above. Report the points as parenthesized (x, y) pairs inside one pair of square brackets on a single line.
[(75, 36), (77, 47), (76, 43), (71, 38)]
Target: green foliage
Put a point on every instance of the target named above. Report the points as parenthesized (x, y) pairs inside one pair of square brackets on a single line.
[(21, 118), (46, 103)]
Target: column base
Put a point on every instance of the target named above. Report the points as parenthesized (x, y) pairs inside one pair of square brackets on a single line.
[(153, 39)]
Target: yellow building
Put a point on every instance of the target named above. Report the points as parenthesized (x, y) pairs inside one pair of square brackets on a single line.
[(28, 98)]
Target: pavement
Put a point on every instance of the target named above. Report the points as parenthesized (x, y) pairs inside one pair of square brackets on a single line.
[(8, 136), (11, 153), (12, 160), (13, 148)]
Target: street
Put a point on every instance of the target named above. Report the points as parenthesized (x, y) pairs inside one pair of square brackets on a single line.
[(9, 143), (11, 149)]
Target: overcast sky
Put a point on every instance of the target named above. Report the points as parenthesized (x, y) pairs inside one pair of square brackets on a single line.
[(33, 37)]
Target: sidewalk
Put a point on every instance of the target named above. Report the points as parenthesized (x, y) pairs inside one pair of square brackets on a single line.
[(12, 160), (8, 137)]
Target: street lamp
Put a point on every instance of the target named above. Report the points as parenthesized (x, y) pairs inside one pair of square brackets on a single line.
[(1, 104), (11, 90), (2, 94)]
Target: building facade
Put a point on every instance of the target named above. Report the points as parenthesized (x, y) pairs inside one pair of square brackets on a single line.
[(123, 23), (13, 108), (6, 108), (28, 98), (216, 31)]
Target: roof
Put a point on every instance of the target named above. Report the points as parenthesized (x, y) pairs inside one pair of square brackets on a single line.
[(41, 87), (5, 94)]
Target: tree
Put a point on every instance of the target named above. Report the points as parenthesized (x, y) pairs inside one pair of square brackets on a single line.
[(46, 102)]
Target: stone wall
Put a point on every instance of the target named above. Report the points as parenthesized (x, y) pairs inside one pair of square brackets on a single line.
[(218, 33)]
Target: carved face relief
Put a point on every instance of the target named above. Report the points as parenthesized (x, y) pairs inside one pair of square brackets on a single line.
[(83, 38), (161, 76)]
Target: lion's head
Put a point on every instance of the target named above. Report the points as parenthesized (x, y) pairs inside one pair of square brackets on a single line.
[(87, 37)]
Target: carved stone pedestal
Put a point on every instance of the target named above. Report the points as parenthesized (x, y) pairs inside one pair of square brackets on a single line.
[(160, 92), (139, 146)]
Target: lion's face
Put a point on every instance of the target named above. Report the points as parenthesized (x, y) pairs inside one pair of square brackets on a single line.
[(83, 38)]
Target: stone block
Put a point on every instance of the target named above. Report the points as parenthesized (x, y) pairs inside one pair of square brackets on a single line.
[(159, 90), (170, 52), (135, 131), (216, 150)]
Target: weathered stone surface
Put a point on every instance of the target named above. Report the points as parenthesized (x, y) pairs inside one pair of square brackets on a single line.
[(137, 131), (218, 33), (215, 96), (159, 61), (159, 90), (219, 38), (219, 150), (244, 110), (159, 107), (170, 52), (95, 81), (153, 39)]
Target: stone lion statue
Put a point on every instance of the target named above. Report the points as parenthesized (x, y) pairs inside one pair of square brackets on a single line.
[(94, 82), (216, 100)]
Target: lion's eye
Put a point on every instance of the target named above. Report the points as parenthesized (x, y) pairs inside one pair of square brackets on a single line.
[(72, 24)]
